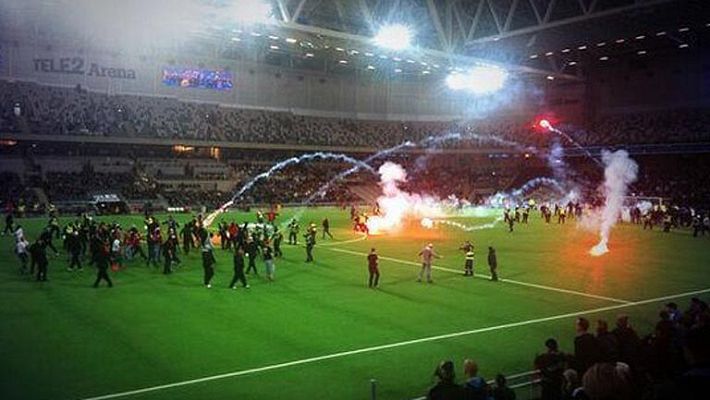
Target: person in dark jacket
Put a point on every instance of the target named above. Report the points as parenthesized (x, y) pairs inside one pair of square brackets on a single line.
[(551, 365), (446, 388), (252, 249), (239, 275), (169, 254), (38, 252), (502, 391), (102, 259), (46, 237), (628, 341), (493, 263), (586, 347), (608, 344), (277, 238), (310, 243), (74, 247), (9, 224)]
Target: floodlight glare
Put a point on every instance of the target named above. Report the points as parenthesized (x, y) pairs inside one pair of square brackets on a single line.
[(478, 80), (394, 37), (253, 12)]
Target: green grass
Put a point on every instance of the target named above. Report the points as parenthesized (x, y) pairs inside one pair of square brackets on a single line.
[(65, 340)]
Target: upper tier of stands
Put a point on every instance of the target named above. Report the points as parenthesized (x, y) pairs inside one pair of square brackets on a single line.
[(63, 111)]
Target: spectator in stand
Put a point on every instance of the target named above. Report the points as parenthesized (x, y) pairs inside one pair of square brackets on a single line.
[(586, 347), (608, 344), (608, 381), (572, 387), (502, 391), (446, 387), (551, 365), (628, 341), (475, 386)]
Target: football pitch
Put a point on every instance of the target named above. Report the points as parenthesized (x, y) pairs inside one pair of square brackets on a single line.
[(318, 331)]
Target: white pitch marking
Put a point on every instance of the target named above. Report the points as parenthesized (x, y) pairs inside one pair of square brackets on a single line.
[(390, 346), (484, 276), (357, 239)]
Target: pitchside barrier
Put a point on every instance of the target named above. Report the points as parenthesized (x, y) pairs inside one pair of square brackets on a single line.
[(526, 386)]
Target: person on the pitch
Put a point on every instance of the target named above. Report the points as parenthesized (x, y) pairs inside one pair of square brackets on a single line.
[(252, 249), (169, 254), (239, 275), (310, 243), (39, 256), (9, 224), (373, 269), (208, 259), (74, 247), (268, 255), (21, 249), (46, 237), (293, 229), (53, 227), (326, 228), (187, 231), (468, 265), (467, 248), (277, 238), (493, 263), (102, 259), (511, 222), (427, 255)]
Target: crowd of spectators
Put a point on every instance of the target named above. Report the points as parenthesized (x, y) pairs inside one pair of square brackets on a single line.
[(674, 126), (53, 110), (671, 362)]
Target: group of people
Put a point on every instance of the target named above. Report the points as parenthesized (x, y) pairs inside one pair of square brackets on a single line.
[(109, 246), (619, 364), (672, 362)]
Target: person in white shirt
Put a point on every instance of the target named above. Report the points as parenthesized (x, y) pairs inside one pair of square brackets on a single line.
[(427, 255), (19, 233), (21, 250), (116, 252)]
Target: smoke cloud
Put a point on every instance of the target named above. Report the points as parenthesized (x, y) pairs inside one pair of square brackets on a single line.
[(619, 172), (396, 205)]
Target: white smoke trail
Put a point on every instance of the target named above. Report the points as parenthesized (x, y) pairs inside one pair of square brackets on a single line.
[(430, 223), (279, 166), (619, 172)]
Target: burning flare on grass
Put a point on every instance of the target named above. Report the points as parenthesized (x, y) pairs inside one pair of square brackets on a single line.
[(619, 172), (396, 205)]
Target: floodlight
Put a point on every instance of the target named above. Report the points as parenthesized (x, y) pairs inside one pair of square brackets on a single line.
[(394, 37), (253, 12)]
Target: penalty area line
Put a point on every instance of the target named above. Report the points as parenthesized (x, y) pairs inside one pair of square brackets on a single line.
[(390, 346), (484, 276)]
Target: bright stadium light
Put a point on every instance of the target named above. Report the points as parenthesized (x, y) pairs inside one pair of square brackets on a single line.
[(478, 80), (253, 12), (394, 37)]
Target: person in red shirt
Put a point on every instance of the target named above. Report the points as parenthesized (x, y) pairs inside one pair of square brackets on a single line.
[(372, 267), (233, 231)]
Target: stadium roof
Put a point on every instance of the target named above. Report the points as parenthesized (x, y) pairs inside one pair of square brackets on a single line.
[(540, 38)]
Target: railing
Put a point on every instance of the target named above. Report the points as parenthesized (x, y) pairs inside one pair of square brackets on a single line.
[(525, 385)]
